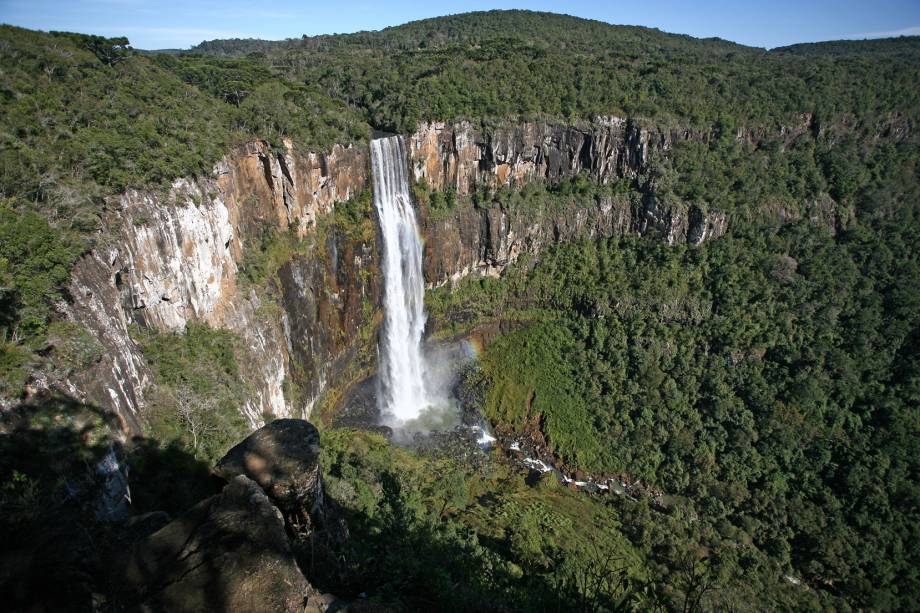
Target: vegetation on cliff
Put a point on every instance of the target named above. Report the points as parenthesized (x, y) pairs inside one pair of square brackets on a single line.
[(35, 262), (86, 115), (198, 393), (78, 127)]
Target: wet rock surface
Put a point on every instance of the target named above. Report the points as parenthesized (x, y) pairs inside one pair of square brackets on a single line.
[(359, 410), (464, 441), (460, 443), (228, 553)]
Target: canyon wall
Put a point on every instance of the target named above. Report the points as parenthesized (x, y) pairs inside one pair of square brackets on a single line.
[(464, 159), (175, 256)]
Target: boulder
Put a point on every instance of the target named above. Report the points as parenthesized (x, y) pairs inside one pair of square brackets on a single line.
[(283, 458), (227, 553)]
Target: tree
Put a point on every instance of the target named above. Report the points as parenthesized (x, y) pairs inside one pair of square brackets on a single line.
[(197, 414)]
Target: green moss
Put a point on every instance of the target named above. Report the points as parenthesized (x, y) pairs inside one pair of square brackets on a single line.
[(262, 260), (533, 376), (16, 363), (354, 218)]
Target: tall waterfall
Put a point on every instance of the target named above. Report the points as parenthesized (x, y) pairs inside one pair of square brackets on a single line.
[(401, 393)]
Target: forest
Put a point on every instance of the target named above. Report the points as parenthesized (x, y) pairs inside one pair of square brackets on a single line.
[(766, 384)]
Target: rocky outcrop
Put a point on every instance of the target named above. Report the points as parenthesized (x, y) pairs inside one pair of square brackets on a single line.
[(466, 159), (485, 241), (227, 553), (288, 189), (118, 379), (283, 458)]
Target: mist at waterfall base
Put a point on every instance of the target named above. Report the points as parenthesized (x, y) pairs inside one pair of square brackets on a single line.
[(414, 384)]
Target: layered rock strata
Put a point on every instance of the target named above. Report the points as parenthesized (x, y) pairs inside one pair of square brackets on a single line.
[(464, 159)]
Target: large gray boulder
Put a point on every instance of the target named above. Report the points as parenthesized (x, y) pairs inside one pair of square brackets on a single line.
[(227, 553), (283, 458)]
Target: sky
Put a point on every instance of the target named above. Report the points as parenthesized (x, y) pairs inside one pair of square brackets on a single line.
[(161, 24)]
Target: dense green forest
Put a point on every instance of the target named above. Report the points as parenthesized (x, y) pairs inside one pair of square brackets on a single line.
[(433, 532), (86, 115), (477, 65), (766, 383)]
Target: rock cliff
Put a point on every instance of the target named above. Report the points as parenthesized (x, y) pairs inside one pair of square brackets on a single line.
[(464, 159), (176, 255)]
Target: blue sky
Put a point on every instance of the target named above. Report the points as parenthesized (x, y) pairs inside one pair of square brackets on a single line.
[(152, 24)]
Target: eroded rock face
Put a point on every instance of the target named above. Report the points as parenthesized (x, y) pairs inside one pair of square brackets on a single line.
[(228, 553), (176, 257), (176, 260), (118, 380), (464, 158), (326, 301)]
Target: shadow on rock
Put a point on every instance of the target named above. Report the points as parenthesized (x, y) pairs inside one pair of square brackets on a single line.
[(66, 505), (228, 553), (283, 457)]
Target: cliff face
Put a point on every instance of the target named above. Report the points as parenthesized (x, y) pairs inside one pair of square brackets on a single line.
[(328, 303), (176, 256), (463, 158)]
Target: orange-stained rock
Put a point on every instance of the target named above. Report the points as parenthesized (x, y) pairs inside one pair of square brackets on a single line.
[(176, 259)]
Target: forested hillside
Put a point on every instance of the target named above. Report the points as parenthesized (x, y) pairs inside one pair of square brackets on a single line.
[(518, 63), (762, 386)]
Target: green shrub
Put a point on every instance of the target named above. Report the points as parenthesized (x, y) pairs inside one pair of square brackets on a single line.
[(15, 364), (71, 348), (35, 262), (199, 394)]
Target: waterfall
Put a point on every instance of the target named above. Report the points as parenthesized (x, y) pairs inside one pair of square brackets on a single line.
[(401, 388)]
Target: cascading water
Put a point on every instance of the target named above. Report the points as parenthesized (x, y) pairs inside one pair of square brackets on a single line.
[(401, 393)]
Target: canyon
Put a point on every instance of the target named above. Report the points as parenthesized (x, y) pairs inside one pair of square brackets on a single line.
[(588, 317), (176, 256)]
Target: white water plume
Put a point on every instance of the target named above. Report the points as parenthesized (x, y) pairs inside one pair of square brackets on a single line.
[(402, 396)]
